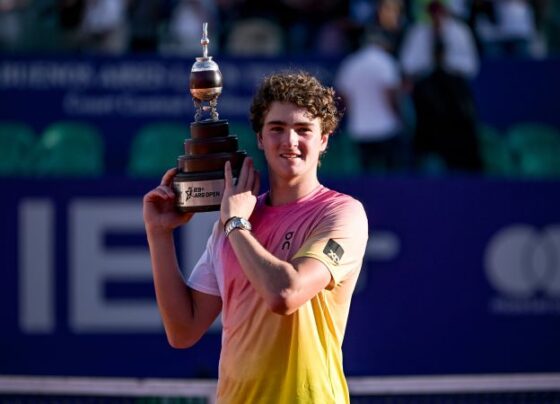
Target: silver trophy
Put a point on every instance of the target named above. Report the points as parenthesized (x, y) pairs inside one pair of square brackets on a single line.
[(199, 182)]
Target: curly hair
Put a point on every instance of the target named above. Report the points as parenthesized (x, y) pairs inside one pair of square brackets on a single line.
[(299, 88)]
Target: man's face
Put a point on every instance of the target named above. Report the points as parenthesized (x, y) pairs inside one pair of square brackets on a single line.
[(292, 141)]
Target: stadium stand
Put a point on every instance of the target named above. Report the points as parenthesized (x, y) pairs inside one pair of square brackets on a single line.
[(69, 149), (155, 148), (16, 142), (496, 157), (535, 148)]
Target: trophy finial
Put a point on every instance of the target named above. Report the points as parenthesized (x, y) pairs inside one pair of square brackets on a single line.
[(205, 80), (204, 41)]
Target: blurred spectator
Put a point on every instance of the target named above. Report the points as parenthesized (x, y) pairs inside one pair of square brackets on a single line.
[(185, 27), (255, 36), (227, 12), (551, 27), (460, 55), (145, 19), (312, 22), (70, 16), (369, 83), (482, 21), (446, 119), (419, 10), (516, 27), (12, 23), (104, 26), (70, 13), (334, 38), (361, 11), (390, 19), (511, 32), (459, 8)]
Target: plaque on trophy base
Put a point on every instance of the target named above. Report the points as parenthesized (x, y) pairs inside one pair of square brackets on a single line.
[(199, 182)]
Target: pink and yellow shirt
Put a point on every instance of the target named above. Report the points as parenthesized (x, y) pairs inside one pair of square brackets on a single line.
[(269, 358)]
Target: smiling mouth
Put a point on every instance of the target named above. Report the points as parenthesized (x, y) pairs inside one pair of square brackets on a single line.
[(290, 155)]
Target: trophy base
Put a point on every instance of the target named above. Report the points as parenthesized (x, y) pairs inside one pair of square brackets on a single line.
[(201, 191)]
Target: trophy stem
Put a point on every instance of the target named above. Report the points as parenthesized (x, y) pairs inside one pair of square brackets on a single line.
[(198, 109), (204, 41), (213, 109)]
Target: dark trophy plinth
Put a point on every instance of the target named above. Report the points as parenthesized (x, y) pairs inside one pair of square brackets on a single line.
[(199, 182)]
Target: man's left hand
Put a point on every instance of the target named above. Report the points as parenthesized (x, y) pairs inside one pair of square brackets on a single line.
[(239, 199)]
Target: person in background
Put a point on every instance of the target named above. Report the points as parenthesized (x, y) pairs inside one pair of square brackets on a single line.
[(551, 28), (183, 32), (460, 54), (280, 266), (482, 20), (516, 30), (369, 81), (446, 120), (104, 27), (70, 14), (390, 20), (145, 18), (12, 26)]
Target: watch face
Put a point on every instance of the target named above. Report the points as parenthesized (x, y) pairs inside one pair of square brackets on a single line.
[(242, 223), (236, 223)]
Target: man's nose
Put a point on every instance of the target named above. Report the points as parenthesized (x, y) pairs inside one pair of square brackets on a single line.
[(291, 138)]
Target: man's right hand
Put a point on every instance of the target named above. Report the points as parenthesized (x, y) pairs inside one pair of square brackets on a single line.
[(160, 213)]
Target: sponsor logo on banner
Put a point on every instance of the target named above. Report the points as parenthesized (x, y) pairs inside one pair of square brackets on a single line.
[(92, 265), (522, 265)]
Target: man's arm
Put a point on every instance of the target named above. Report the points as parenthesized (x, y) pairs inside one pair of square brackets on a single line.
[(284, 286), (186, 313)]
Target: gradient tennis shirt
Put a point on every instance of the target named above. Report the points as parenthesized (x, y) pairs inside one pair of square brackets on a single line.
[(269, 358)]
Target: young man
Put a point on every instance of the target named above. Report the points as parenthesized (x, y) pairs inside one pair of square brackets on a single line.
[(281, 266)]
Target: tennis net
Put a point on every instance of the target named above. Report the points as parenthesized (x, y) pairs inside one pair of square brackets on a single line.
[(444, 389)]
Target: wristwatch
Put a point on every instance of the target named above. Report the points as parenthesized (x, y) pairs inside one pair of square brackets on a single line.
[(236, 222)]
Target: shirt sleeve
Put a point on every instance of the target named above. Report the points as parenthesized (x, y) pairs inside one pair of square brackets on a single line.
[(203, 276), (339, 240)]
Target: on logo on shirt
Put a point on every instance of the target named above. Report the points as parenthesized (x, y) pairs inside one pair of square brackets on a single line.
[(287, 240)]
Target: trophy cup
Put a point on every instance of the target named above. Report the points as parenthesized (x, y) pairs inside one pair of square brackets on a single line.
[(199, 182)]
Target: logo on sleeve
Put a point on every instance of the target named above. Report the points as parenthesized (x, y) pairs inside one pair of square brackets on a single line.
[(334, 251)]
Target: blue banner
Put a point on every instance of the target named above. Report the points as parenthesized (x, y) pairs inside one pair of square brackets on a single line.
[(461, 275)]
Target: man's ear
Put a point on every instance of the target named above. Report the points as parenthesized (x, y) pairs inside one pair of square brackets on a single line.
[(259, 141), (324, 141)]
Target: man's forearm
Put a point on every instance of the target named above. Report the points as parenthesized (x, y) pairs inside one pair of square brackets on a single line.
[(172, 294), (276, 281)]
